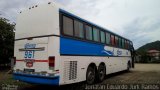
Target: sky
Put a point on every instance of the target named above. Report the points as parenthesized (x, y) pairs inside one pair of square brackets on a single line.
[(137, 20)]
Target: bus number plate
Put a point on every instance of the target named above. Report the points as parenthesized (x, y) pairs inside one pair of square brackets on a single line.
[(29, 70), (29, 54)]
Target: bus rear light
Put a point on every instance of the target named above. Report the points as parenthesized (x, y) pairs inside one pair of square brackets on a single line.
[(51, 61)]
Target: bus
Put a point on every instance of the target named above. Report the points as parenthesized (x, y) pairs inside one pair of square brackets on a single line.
[(56, 47)]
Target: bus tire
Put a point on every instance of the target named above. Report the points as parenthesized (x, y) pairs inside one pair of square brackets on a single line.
[(101, 72), (128, 66), (90, 75)]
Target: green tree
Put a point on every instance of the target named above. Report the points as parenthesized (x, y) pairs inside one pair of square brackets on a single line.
[(6, 40)]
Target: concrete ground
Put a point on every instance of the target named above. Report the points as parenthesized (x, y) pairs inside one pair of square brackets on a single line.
[(147, 67), (143, 76), (142, 73)]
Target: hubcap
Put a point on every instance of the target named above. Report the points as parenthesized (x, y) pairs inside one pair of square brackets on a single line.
[(102, 73), (90, 76)]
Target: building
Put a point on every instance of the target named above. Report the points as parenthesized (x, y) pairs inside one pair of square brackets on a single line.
[(154, 54)]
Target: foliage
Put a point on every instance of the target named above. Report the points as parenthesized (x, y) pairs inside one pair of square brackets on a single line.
[(153, 45), (142, 51), (6, 40)]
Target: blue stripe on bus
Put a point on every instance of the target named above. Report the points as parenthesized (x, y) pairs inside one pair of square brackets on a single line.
[(75, 47), (36, 79)]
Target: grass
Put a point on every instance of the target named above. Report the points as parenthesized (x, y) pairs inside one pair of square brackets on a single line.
[(7, 79)]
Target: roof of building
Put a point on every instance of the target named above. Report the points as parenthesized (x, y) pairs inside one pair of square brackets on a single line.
[(153, 51)]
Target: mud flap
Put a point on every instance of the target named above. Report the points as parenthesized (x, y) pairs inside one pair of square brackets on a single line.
[(132, 62)]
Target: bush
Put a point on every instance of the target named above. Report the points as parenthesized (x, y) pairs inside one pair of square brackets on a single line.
[(6, 40)]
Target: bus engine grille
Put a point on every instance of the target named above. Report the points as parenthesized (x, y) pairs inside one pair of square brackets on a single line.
[(70, 70)]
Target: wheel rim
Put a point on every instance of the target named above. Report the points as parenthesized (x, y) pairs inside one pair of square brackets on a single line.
[(101, 73), (90, 76)]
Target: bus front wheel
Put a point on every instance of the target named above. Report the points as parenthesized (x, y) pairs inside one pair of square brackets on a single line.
[(90, 76), (128, 66)]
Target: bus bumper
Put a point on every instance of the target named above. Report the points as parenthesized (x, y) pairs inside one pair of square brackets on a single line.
[(36, 79)]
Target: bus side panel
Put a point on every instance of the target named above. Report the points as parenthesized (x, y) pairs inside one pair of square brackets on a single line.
[(113, 64), (77, 55)]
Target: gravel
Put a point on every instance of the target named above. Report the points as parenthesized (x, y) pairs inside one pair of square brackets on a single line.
[(143, 76)]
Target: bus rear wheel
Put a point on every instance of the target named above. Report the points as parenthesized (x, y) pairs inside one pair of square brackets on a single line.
[(90, 76), (101, 72)]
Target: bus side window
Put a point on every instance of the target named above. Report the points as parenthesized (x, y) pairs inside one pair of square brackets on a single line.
[(96, 34), (107, 38), (102, 36), (112, 40), (123, 43), (126, 45), (67, 26), (116, 41), (78, 29), (89, 32), (130, 45), (119, 42)]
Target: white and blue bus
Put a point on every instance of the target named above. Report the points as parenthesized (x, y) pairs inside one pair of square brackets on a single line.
[(55, 47)]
